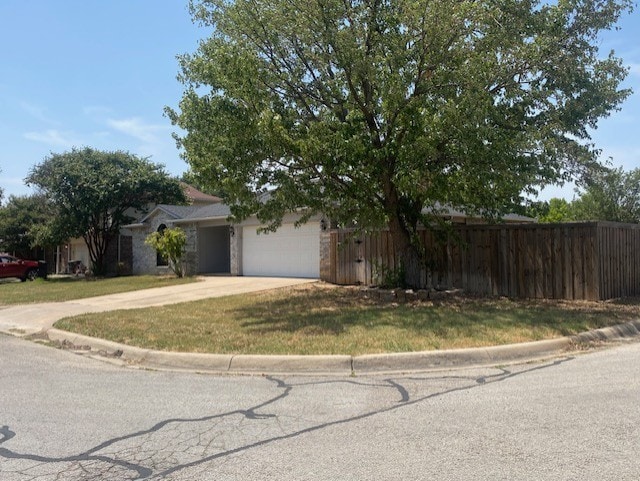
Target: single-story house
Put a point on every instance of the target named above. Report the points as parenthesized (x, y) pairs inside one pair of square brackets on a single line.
[(217, 246)]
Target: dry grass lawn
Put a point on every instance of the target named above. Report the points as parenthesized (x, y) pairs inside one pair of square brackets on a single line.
[(59, 289), (324, 319)]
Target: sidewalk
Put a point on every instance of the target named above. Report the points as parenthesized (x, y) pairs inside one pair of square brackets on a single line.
[(38, 319)]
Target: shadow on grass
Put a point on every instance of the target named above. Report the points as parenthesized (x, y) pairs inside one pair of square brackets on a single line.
[(62, 280), (317, 320), (333, 312), (49, 280)]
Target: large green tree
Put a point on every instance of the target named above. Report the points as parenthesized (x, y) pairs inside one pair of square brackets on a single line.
[(95, 193), (609, 194), (376, 112), (21, 220)]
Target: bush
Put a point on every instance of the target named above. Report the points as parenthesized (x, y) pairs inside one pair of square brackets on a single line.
[(170, 244)]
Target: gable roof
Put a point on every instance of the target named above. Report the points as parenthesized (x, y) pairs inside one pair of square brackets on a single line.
[(197, 197), (211, 205), (187, 213), (173, 211), (206, 212)]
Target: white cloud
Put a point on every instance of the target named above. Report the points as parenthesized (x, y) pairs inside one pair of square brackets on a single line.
[(54, 137), (138, 129), (37, 112)]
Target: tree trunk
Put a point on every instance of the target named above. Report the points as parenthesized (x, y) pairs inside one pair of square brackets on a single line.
[(97, 244), (403, 225), (413, 268), (412, 262)]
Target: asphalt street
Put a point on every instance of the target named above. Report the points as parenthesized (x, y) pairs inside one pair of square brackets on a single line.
[(68, 417)]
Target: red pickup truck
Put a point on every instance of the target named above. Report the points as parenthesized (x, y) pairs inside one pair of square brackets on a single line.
[(22, 269)]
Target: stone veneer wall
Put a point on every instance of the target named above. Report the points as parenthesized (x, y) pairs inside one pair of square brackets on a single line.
[(325, 255), (191, 259), (236, 251), (144, 256)]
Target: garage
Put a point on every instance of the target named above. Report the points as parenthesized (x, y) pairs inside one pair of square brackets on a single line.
[(288, 252)]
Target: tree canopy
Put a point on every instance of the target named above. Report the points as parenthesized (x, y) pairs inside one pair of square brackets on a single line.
[(96, 192), (605, 194), (553, 210), (609, 194), (376, 112), (21, 219)]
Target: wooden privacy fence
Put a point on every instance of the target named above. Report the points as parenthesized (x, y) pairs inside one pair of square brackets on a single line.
[(590, 261)]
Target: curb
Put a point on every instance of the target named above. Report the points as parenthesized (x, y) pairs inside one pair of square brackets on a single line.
[(456, 358), (339, 364)]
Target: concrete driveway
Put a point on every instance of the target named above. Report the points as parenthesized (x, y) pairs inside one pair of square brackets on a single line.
[(33, 318)]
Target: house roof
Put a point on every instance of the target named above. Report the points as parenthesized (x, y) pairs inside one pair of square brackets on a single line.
[(454, 213), (217, 210), (212, 211), (197, 197), (187, 213), (173, 211), (212, 207)]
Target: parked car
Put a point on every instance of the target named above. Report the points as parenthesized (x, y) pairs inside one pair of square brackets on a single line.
[(22, 269)]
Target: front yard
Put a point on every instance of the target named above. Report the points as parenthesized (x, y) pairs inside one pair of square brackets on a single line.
[(324, 319)]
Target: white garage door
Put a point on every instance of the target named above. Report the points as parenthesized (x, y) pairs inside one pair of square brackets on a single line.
[(288, 252)]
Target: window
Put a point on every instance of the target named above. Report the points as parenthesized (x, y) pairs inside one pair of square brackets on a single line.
[(160, 260)]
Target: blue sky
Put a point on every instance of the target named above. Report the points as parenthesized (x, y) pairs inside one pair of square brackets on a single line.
[(98, 73), (89, 73)]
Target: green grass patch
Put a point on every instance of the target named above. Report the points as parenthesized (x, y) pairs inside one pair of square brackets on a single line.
[(320, 319), (59, 289)]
